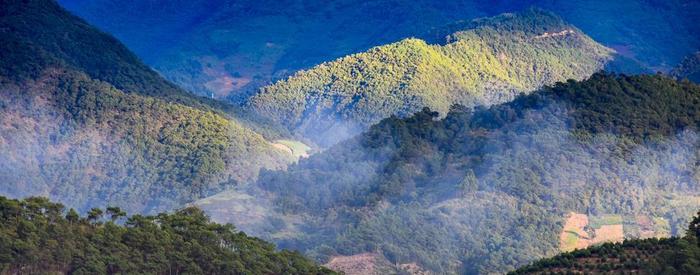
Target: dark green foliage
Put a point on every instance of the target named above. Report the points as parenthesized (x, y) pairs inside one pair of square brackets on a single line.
[(646, 256), (36, 237), (486, 189), (639, 107), (628, 256)]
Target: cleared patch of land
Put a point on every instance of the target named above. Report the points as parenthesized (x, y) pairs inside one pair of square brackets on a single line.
[(574, 236), (604, 220), (234, 202), (372, 264), (358, 264), (581, 230), (609, 233), (295, 148)]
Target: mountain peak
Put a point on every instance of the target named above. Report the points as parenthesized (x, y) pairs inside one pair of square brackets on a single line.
[(531, 22)]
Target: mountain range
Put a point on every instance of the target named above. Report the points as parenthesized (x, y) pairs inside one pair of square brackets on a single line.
[(688, 68), (228, 49), (372, 137)]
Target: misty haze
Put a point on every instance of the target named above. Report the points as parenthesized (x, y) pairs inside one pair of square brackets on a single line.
[(349, 137)]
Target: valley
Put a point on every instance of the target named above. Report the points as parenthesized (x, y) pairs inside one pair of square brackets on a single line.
[(422, 189), (355, 137)]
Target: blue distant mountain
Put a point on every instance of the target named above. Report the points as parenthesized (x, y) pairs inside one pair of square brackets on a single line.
[(227, 49)]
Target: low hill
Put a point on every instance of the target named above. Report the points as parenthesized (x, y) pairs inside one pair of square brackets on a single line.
[(487, 190), (482, 62), (40, 237), (640, 256), (83, 121)]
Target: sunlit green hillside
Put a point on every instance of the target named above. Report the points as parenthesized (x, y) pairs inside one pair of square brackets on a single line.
[(482, 62)]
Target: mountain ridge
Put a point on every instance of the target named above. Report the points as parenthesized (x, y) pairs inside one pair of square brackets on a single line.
[(489, 62), (231, 48)]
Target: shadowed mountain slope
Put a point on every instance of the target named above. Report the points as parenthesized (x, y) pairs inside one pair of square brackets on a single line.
[(83, 121)]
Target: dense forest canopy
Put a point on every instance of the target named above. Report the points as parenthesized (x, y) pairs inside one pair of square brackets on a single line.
[(439, 143), (83, 121), (443, 193), (482, 62), (38, 236)]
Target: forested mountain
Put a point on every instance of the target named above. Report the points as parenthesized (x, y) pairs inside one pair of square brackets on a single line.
[(646, 256), (689, 68), (230, 48), (479, 62), (482, 144), (224, 48), (83, 121), (490, 189), (40, 237)]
